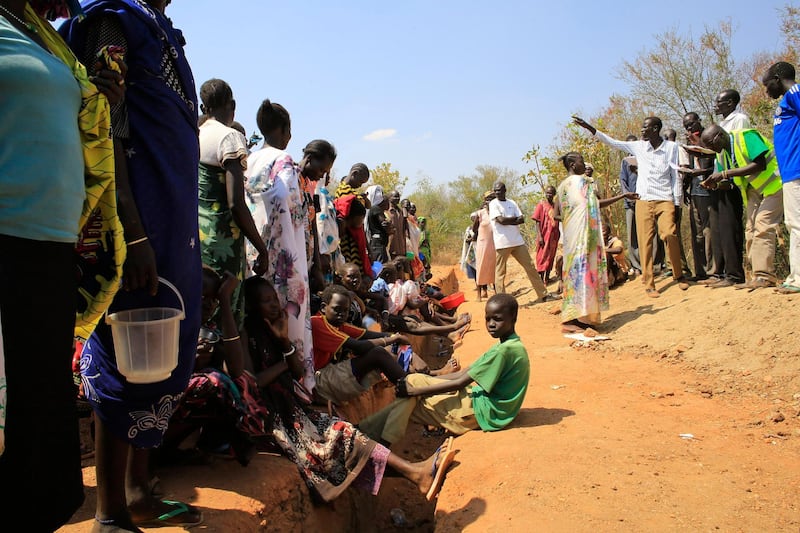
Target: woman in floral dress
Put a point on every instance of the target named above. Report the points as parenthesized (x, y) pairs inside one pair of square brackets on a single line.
[(585, 274), (279, 197)]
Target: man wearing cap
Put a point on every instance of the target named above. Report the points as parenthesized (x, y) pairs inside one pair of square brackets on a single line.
[(506, 217), (660, 191)]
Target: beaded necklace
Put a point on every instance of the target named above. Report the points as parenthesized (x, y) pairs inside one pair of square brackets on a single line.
[(27, 25)]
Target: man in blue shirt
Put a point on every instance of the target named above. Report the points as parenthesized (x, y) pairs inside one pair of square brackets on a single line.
[(780, 85)]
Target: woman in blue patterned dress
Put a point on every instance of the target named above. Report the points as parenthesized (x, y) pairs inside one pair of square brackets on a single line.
[(156, 144)]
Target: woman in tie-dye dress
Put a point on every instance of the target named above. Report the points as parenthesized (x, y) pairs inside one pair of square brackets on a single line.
[(585, 274)]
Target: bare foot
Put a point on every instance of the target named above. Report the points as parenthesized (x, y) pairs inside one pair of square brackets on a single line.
[(457, 335), (452, 365)]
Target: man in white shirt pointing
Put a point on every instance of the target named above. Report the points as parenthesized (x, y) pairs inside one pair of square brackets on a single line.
[(660, 191)]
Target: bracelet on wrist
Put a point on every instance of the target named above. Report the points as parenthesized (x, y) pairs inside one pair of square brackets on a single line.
[(291, 351), (231, 339), (138, 241)]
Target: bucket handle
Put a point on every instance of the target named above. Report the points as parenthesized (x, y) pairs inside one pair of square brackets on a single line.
[(176, 291)]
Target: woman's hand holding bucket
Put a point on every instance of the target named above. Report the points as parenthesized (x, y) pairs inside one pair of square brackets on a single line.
[(139, 271)]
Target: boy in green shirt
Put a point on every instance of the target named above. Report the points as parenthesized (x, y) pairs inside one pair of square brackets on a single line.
[(487, 395)]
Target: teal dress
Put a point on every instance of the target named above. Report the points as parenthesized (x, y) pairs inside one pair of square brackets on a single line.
[(221, 240)]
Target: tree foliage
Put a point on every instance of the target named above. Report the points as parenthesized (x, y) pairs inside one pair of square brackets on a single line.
[(448, 207), (682, 73), (677, 74), (388, 178)]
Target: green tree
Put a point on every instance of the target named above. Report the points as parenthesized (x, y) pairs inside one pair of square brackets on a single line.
[(388, 178), (448, 207)]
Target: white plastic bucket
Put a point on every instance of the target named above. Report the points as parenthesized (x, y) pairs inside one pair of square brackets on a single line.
[(146, 340)]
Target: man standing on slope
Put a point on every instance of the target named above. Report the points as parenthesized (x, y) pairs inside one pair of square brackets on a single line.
[(660, 191), (780, 84), (505, 217)]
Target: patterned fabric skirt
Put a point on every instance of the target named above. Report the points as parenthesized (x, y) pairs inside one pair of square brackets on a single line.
[(221, 240)]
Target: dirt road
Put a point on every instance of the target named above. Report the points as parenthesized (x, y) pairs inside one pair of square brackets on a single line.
[(614, 441)]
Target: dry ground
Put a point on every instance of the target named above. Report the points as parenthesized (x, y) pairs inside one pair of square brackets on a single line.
[(598, 445)]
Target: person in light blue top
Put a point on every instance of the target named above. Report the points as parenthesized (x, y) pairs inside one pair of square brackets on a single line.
[(43, 92)]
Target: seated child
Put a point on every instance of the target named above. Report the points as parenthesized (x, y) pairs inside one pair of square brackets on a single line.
[(410, 312), (217, 404), (330, 454), (616, 261), (348, 360), (361, 315), (498, 380)]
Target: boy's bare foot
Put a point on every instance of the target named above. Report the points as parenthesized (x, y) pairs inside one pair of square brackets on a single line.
[(457, 335), (452, 365)]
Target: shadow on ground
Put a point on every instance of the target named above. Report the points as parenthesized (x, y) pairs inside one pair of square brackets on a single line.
[(616, 321), (459, 519), (540, 416)]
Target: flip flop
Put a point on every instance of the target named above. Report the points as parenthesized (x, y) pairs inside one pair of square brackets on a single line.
[(787, 289), (439, 470), (183, 515)]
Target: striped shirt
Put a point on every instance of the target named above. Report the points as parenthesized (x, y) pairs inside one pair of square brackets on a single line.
[(657, 181)]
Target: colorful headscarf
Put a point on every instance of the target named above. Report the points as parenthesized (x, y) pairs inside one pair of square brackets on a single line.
[(57, 9)]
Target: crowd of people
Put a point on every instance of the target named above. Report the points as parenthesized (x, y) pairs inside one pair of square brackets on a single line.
[(296, 300), (724, 174), (737, 186)]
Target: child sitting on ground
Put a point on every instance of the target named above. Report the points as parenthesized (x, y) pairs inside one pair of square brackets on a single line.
[(217, 408), (410, 312), (498, 380), (330, 454), (348, 360), (615, 258), (361, 314)]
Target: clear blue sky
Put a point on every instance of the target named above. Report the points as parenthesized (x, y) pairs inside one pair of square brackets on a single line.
[(442, 86)]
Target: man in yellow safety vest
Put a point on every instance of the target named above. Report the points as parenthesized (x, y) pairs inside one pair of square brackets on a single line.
[(748, 159)]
